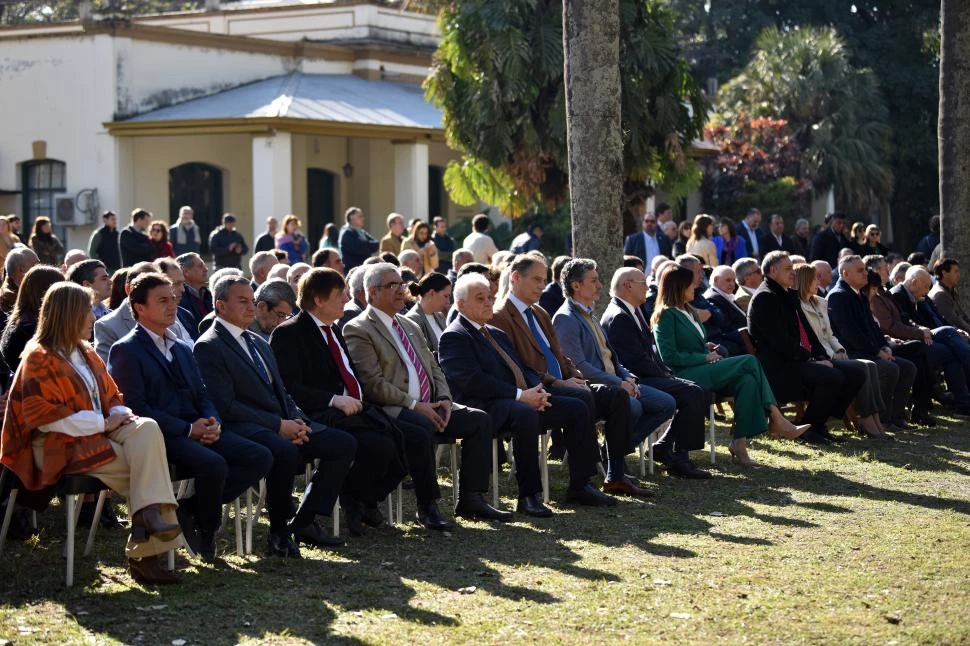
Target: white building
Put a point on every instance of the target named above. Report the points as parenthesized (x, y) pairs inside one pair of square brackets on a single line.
[(260, 110)]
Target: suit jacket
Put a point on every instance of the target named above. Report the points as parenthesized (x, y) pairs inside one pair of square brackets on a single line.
[(635, 347), (111, 327), (734, 314), (416, 316), (309, 372), (750, 237), (244, 401), (852, 322), (145, 377), (479, 375), (679, 342), (826, 246), (351, 311), (579, 344), (356, 246), (188, 322), (921, 313), (552, 298), (190, 304), (634, 245), (769, 243), (947, 304), (508, 319), (134, 246), (891, 320), (380, 368)]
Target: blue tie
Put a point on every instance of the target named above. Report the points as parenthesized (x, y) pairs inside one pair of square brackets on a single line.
[(254, 355), (551, 362)]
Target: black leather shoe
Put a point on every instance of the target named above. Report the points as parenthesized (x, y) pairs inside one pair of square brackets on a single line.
[(590, 496), (189, 530), (901, 424), (313, 534), (922, 418), (206, 545), (824, 432), (430, 518), (354, 513), (280, 544), (473, 505), (812, 437), (687, 469), (373, 517), (532, 506)]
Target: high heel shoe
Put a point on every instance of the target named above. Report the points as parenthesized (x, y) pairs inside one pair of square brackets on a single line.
[(148, 522), (739, 454), (869, 428), (784, 428)]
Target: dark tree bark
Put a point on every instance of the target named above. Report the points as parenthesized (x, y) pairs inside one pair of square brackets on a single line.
[(954, 130), (591, 47)]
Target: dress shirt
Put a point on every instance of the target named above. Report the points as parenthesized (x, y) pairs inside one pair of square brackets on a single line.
[(237, 333), (728, 297), (481, 330), (434, 325), (651, 248), (414, 385), (755, 247), (632, 311), (522, 307), (100, 309), (163, 343), (343, 355)]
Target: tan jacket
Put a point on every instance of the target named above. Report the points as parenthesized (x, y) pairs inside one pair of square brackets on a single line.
[(508, 319), (817, 314), (381, 369), (428, 253)]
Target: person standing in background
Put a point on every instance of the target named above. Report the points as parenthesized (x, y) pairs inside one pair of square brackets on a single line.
[(103, 245), (227, 245), (184, 234)]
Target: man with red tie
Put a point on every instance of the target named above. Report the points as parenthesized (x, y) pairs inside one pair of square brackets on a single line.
[(320, 376)]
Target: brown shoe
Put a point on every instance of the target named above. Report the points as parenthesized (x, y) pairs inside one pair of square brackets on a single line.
[(627, 488), (147, 570), (148, 522)]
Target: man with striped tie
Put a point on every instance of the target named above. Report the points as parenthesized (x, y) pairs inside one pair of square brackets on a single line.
[(398, 372)]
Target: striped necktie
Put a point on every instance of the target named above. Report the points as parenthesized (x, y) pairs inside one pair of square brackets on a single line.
[(423, 380)]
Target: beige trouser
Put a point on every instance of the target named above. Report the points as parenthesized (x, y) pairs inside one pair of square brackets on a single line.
[(138, 472)]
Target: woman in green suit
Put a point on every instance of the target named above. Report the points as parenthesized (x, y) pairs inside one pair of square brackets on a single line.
[(683, 346)]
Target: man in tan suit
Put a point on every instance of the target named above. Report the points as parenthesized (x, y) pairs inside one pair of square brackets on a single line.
[(534, 337), (398, 372)]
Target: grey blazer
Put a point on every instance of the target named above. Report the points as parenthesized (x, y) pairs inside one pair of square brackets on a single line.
[(416, 316), (111, 327), (578, 342)]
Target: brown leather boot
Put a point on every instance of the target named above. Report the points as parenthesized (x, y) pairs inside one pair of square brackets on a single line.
[(147, 570), (148, 522)]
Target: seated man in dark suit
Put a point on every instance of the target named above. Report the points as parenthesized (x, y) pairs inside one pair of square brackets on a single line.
[(795, 363), (630, 336), (246, 387), (718, 324), (398, 372), (721, 293), (485, 371), (161, 380), (196, 298), (171, 269), (320, 376)]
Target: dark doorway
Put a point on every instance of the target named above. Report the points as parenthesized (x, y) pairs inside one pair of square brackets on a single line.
[(200, 186), (321, 199), (436, 192)]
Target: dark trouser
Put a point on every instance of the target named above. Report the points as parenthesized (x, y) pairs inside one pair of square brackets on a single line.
[(222, 471), (686, 433), (957, 373), (853, 376), (615, 407), (471, 426), (916, 353), (572, 411), (896, 380), (822, 388), (334, 448), (580, 433)]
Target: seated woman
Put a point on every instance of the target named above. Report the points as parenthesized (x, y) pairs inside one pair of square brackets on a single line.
[(700, 243), (729, 246), (23, 319), (868, 402), (65, 416), (433, 293), (682, 343)]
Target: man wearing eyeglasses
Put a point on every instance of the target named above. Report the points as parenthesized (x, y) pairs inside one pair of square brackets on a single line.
[(275, 302), (398, 372), (648, 244)]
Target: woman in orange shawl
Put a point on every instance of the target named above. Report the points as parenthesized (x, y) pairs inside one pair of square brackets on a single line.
[(65, 416)]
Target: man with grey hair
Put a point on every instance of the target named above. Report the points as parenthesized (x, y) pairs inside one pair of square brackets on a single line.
[(217, 275), (16, 265), (73, 257), (823, 275), (357, 302), (295, 273), (259, 266), (196, 298), (721, 293), (397, 371), (409, 258), (459, 259), (244, 382), (275, 302), (586, 343), (720, 330), (184, 234), (748, 276)]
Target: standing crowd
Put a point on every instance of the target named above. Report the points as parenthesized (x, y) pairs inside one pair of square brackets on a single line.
[(131, 363)]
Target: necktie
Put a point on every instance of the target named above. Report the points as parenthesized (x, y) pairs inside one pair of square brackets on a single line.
[(643, 323), (803, 335), (512, 365), (350, 383), (552, 364), (423, 381), (254, 355)]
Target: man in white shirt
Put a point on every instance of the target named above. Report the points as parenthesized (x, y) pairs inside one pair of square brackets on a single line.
[(749, 230), (721, 293), (480, 243)]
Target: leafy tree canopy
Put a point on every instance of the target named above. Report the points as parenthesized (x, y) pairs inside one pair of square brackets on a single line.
[(498, 77)]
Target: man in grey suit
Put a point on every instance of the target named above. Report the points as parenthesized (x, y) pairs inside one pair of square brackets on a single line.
[(399, 373), (245, 385), (584, 340), (111, 327)]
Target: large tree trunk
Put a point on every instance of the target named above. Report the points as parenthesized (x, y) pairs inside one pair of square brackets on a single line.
[(591, 48), (954, 130)]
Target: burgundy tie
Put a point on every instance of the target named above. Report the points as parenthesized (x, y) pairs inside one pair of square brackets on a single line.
[(803, 335), (423, 380), (350, 383)]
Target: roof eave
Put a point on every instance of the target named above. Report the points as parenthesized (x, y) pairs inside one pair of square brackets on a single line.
[(264, 125)]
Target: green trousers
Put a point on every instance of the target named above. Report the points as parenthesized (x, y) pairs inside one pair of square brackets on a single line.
[(743, 377)]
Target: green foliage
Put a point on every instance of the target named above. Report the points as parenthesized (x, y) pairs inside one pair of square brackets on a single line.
[(498, 78), (835, 111)]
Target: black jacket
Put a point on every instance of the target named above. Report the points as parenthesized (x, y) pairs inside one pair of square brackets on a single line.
[(635, 348), (826, 246), (219, 241), (134, 247), (853, 323)]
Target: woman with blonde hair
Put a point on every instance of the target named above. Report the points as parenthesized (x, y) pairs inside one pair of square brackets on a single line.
[(65, 416), (682, 343), (420, 241), (700, 243)]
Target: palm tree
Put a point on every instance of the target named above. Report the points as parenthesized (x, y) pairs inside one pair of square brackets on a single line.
[(834, 109)]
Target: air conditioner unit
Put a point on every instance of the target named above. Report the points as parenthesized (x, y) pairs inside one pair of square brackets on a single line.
[(64, 210)]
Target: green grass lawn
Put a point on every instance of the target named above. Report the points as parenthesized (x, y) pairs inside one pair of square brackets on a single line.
[(864, 542)]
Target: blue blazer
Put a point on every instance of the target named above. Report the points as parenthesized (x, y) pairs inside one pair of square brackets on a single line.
[(740, 248), (145, 378), (634, 245), (578, 342), (852, 322)]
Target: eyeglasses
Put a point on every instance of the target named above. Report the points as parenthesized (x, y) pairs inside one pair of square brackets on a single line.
[(393, 286), (281, 316)]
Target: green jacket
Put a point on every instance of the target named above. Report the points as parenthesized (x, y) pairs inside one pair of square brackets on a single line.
[(679, 342)]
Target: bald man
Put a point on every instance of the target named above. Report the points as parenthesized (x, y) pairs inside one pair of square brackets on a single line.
[(823, 274)]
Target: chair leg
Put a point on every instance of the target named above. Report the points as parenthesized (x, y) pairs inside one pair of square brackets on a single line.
[(454, 474), (11, 502), (336, 519), (249, 526), (437, 455), (69, 543), (171, 560), (510, 456), (644, 468), (601, 469), (390, 508), (544, 465), (237, 521), (98, 508), (495, 472), (710, 430)]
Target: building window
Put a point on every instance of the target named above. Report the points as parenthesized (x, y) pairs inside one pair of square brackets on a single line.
[(42, 182)]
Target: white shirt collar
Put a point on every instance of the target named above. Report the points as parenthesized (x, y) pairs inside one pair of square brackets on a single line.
[(317, 321), (384, 318), (168, 337), (233, 329), (629, 307), (729, 297), (477, 326), (519, 305)]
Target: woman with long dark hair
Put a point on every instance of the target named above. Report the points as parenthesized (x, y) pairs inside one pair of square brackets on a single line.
[(728, 245), (158, 233), (433, 294), (45, 244), (421, 242)]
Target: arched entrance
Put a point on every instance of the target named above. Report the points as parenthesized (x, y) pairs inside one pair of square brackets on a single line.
[(198, 185)]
